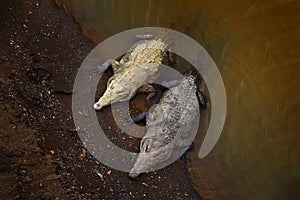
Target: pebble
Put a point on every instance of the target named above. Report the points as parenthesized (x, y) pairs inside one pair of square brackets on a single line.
[(100, 175), (145, 184)]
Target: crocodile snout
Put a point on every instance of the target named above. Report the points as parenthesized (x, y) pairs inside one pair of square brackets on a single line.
[(97, 106), (133, 174)]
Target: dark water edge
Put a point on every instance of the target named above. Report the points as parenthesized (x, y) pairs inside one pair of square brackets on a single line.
[(41, 155)]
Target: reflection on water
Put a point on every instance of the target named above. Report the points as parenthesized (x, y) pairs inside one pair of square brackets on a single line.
[(255, 44)]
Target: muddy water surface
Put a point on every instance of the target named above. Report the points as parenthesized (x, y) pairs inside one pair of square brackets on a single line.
[(256, 46)]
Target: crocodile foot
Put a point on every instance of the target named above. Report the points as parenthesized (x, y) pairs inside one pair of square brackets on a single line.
[(202, 100)]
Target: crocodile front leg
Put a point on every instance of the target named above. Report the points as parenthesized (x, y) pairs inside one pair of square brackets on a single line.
[(115, 65)]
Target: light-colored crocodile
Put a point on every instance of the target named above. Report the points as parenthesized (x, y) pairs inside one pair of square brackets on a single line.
[(168, 125), (138, 67)]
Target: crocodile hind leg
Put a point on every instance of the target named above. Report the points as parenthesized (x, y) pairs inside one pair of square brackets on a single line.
[(189, 146), (140, 117), (153, 89), (115, 65), (202, 100), (171, 58), (183, 146), (148, 89)]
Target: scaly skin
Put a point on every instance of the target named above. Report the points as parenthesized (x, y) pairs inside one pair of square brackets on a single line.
[(167, 126), (138, 67)]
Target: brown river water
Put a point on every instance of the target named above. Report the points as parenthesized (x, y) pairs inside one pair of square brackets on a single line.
[(256, 46)]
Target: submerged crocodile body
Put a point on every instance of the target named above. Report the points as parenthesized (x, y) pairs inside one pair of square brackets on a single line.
[(138, 67), (168, 125)]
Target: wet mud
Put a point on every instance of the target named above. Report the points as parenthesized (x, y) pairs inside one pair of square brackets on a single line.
[(41, 155)]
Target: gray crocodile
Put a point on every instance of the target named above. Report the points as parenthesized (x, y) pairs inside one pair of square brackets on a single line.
[(138, 67), (168, 125)]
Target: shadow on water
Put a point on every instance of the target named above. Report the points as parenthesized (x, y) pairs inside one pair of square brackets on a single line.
[(255, 45)]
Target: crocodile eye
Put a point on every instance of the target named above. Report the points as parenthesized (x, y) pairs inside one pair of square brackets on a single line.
[(122, 92)]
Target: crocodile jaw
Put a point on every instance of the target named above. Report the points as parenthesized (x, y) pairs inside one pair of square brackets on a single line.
[(147, 161), (103, 101), (141, 165)]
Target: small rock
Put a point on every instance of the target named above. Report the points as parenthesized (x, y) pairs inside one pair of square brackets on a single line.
[(100, 175), (145, 184)]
